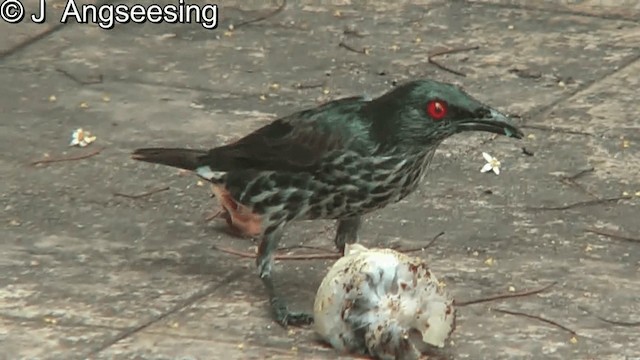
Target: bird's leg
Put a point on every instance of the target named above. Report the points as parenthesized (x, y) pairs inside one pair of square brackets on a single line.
[(264, 261), (347, 232)]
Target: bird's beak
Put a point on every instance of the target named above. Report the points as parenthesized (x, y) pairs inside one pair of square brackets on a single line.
[(491, 121)]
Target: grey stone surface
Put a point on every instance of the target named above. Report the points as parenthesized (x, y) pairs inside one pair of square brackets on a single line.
[(87, 274)]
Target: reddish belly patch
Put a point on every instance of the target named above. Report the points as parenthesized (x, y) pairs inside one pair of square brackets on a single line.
[(238, 216)]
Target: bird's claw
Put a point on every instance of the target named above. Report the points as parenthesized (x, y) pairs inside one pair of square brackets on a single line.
[(295, 319), (284, 317)]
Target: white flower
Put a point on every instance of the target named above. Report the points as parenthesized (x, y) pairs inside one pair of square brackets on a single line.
[(81, 138), (492, 164)]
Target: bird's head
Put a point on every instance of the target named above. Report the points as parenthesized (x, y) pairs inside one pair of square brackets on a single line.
[(425, 112)]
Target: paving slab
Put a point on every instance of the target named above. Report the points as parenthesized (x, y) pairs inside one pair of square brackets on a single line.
[(94, 274), (54, 340), (611, 136)]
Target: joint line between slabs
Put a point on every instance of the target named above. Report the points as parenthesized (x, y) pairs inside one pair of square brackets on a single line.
[(176, 308), (545, 109)]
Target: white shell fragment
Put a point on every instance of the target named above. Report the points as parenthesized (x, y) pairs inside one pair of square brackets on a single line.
[(81, 138), (382, 303)]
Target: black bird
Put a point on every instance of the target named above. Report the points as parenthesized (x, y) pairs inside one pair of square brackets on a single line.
[(339, 161)]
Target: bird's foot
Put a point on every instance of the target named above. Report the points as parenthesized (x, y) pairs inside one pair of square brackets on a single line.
[(231, 228), (284, 317), (264, 261), (222, 213)]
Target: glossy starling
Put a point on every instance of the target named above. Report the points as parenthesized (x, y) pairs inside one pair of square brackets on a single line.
[(339, 161), (383, 303)]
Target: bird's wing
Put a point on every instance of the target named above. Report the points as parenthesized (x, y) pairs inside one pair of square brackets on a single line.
[(294, 143)]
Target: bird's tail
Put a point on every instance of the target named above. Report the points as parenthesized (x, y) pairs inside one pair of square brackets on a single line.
[(187, 159)]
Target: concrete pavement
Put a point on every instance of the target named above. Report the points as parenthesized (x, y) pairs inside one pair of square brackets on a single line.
[(87, 274)]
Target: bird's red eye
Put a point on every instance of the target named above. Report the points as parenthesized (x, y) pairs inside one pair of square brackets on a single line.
[(437, 109)]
